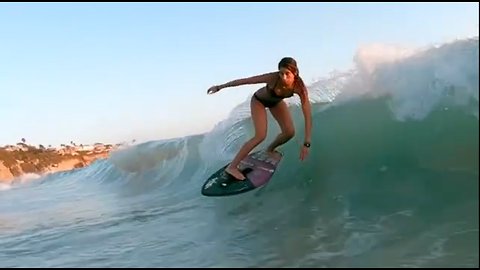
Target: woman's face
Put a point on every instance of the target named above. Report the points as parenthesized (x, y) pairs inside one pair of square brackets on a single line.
[(287, 76)]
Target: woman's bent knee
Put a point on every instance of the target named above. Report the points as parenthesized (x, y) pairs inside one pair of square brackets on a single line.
[(289, 134), (258, 139)]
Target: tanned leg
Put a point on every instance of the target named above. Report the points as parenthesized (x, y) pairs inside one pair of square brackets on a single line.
[(281, 113), (259, 118)]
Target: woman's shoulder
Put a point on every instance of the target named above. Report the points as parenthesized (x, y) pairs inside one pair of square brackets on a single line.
[(272, 78)]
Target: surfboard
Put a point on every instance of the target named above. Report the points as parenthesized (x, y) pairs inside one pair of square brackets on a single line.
[(258, 168)]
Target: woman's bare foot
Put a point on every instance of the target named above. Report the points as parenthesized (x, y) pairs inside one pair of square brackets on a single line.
[(235, 173), (273, 153)]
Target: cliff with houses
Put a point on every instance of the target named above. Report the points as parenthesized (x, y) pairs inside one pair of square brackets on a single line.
[(17, 160)]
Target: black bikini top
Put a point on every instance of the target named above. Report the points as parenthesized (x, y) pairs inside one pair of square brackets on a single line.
[(274, 94)]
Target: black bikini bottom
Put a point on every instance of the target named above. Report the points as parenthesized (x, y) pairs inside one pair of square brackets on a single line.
[(267, 103)]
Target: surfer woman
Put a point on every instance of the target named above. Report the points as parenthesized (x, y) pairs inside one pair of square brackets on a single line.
[(279, 85)]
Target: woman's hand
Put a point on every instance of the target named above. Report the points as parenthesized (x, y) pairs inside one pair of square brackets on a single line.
[(303, 152), (213, 89)]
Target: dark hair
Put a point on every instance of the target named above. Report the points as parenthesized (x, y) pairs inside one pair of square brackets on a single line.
[(291, 64)]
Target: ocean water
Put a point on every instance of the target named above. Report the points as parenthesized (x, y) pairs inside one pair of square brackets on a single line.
[(391, 181)]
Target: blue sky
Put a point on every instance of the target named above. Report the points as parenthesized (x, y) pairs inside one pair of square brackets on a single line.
[(113, 72)]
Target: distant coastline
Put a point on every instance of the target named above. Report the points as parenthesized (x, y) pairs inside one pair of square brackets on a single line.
[(20, 159)]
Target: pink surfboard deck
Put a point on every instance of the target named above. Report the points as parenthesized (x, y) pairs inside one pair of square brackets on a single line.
[(258, 168)]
